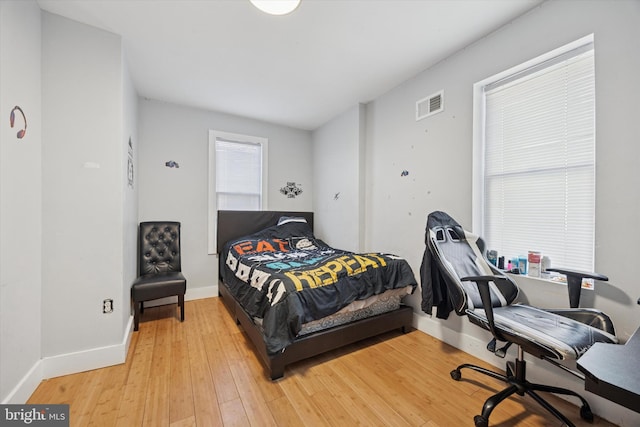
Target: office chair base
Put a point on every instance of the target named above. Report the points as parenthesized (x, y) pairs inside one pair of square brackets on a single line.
[(516, 378)]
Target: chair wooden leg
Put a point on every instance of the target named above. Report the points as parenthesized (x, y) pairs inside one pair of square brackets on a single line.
[(181, 304), (136, 315)]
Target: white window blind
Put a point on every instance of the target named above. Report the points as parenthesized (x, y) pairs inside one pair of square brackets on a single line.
[(238, 175), (539, 161)]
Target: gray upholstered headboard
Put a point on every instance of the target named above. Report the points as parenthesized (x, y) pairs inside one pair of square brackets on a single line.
[(233, 224)]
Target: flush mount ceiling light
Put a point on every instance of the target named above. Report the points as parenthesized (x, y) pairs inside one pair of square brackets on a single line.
[(276, 7)]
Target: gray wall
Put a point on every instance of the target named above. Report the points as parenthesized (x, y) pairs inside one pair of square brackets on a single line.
[(173, 132), (437, 153), (130, 194), (82, 191), (338, 179), (68, 215), (20, 197)]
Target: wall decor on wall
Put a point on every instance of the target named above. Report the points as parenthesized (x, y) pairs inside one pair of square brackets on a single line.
[(12, 120), (130, 164), (291, 190), (404, 173), (172, 164)]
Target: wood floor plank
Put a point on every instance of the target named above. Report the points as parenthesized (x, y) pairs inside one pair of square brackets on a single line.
[(423, 369), (415, 382), (352, 399), (301, 402), (206, 404), (233, 414), (269, 389), (334, 411), (384, 383), (180, 390), (185, 422), (131, 411), (219, 367), (105, 412), (156, 408), (307, 371), (87, 397), (205, 396), (207, 322), (196, 322), (147, 328), (60, 390), (204, 372), (254, 404), (284, 413), (382, 407), (161, 360)]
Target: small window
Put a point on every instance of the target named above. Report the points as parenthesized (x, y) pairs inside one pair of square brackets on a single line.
[(237, 175), (534, 158)]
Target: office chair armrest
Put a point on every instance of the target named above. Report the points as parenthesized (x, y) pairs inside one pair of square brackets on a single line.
[(482, 282), (574, 282)]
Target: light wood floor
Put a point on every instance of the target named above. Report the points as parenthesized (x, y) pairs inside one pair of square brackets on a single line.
[(203, 373)]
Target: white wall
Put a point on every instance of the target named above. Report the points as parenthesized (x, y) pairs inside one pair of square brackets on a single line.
[(87, 103), (437, 153), (172, 132), (130, 193), (20, 200), (338, 179)]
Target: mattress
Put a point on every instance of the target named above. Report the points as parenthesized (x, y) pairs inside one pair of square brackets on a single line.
[(372, 306)]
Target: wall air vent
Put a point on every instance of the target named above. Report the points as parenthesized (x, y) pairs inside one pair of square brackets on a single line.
[(430, 105)]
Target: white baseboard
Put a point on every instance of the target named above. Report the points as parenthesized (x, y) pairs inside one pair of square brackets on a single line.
[(467, 343), (70, 363), (27, 385), (86, 360), (192, 294), (100, 357), (201, 293)]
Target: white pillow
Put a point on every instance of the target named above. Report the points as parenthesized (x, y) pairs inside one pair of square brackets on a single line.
[(287, 219)]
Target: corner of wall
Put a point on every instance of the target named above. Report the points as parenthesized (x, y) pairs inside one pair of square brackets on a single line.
[(20, 201)]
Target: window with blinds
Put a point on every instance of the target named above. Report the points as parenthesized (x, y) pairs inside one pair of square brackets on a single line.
[(237, 175), (538, 160)]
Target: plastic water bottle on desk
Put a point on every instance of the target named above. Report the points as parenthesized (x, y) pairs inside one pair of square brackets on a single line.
[(535, 261), (546, 263), (522, 264)]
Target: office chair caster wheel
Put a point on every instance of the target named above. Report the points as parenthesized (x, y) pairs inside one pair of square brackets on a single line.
[(480, 421), (586, 414), (456, 374)]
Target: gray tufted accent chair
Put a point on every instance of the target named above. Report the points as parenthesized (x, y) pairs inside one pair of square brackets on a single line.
[(160, 272)]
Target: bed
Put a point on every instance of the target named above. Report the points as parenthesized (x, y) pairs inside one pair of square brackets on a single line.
[(295, 296)]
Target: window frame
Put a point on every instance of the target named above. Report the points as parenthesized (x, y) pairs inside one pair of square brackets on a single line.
[(212, 217), (479, 120)]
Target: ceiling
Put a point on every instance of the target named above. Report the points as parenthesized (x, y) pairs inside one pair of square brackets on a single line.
[(298, 70)]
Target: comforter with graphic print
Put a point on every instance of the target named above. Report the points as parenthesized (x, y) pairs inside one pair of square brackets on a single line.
[(287, 277)]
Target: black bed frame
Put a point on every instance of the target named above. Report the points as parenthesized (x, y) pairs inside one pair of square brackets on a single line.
[(233, 224)]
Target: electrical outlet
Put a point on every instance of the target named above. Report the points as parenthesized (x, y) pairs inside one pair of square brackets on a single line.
[(107, 306)]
